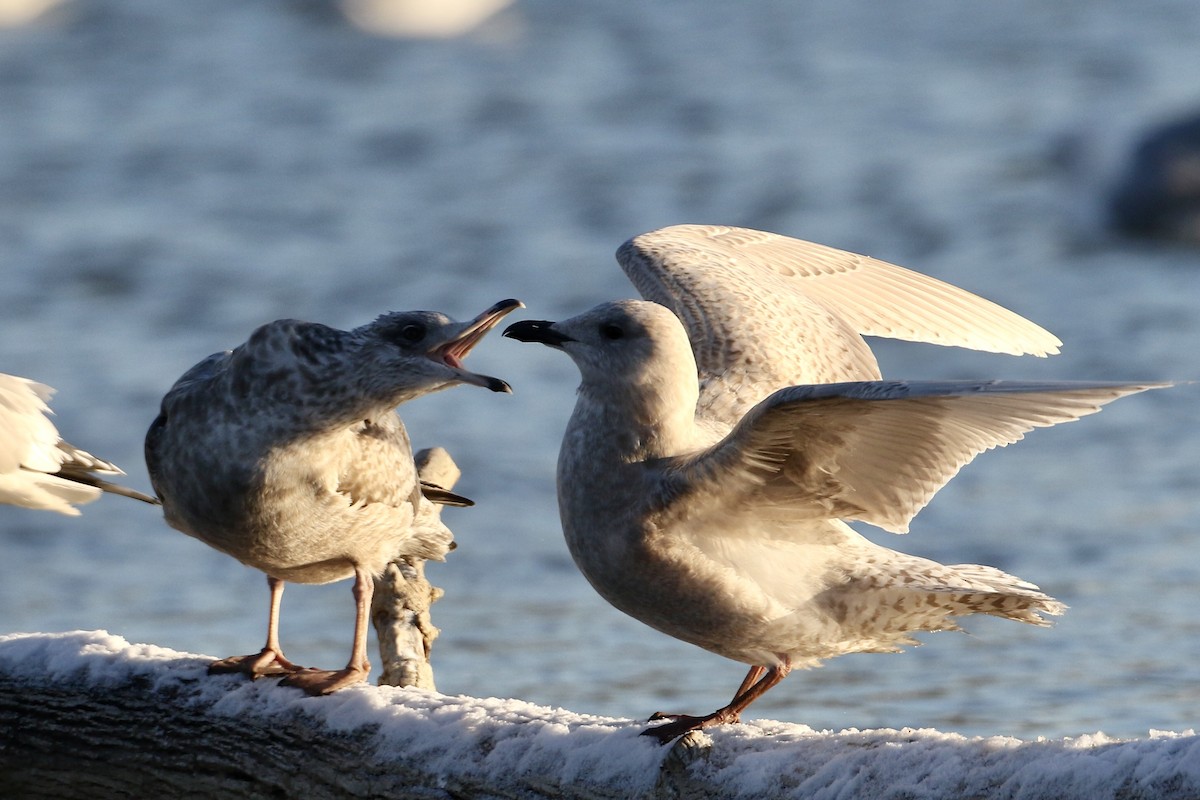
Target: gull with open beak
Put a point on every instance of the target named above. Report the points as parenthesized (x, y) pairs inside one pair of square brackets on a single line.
[(287, 454)]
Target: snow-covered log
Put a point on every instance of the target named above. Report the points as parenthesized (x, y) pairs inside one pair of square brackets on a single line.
[(86, 714)]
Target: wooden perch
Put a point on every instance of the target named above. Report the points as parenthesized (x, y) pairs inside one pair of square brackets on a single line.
[(86, 715), (400, 606)]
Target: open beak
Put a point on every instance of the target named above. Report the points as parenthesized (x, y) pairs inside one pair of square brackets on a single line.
[(454, 350)]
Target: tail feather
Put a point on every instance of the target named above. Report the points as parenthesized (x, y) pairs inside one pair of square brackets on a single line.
[(1022, 607), (926, 596), (85, 476)]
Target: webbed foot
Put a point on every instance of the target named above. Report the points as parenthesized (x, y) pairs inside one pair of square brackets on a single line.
[(317, 682), (683, 723), (263, 664)]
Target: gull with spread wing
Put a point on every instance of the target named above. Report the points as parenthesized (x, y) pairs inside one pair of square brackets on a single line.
[(724, 432), (287, 454)]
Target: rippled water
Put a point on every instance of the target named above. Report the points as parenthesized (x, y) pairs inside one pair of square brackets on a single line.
[(174, 174)]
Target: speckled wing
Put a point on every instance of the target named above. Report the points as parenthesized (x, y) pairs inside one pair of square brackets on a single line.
[(378, 465), (379, 477), (765, 311), (191, 388), (871, 451)]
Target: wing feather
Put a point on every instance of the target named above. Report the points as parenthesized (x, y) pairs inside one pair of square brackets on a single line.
[(27, 437), (764, 311), (873, 451)]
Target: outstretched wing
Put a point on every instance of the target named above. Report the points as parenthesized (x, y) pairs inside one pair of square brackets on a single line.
[(872, 451), (765, 311)]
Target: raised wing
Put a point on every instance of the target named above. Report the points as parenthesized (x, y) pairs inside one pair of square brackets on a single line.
[(874, 451), (765, 311)]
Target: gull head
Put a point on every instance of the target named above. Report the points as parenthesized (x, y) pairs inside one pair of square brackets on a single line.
[(430, 347), (628, 342)]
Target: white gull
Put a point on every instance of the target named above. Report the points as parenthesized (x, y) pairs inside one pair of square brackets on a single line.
[(712, 509), (37, 468), (287, 454)]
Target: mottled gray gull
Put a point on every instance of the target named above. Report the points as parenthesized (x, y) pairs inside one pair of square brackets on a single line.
[(712, 509), (37, 468), (287, 454)]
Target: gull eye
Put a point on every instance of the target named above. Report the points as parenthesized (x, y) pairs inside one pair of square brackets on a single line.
[(611, 331), (412, 333)]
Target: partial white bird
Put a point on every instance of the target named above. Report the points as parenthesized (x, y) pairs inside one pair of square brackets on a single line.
[(708, 502), (287, 454), (37, 468)]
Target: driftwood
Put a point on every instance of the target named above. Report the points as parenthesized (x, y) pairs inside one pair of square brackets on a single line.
[(86, 714), (400, 606)]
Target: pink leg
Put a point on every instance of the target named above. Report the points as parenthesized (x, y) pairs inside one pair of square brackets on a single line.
[(753, 675), (269, 660), (751, 678), (754, 685), (325, 681)]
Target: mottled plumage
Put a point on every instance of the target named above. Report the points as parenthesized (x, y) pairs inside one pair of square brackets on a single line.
[(764, 310), (708, 502), (37, 468), (287, 454)]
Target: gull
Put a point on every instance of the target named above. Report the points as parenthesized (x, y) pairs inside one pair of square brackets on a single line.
[(704, 489), (287, 454), (37, 468)]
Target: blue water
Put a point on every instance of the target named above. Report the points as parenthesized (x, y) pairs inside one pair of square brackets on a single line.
[(173, 174)]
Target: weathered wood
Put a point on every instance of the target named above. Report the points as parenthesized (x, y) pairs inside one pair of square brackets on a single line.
[(88, 715), (400, 606), (130, 740), (116, 725)]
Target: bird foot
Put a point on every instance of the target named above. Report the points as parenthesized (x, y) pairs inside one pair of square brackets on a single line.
[(263, 664), (683, 723), (317, 682)]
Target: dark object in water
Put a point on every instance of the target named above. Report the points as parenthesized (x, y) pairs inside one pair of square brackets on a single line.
[(1159, 194)]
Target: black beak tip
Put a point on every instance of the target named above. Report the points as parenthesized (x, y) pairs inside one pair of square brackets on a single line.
[(535, 330), (497, 385), (511, 304), (514, 331)]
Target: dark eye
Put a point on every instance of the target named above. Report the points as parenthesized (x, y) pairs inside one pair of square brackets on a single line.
[(412, 333), (611, 331)]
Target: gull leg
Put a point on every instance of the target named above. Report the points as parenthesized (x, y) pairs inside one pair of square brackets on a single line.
[(753, 675), (753, 686), (269, 660), (327, 681)]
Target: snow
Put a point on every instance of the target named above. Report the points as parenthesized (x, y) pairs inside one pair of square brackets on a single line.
[(461, 736)]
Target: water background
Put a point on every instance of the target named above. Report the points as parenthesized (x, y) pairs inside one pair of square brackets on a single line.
[(174, 174)]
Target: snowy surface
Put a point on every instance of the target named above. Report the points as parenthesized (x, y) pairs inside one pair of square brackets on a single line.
[(457, 735)]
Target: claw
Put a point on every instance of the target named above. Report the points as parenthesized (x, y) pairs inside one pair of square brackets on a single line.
[(679, 724), (263, 664), (317, 682)]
